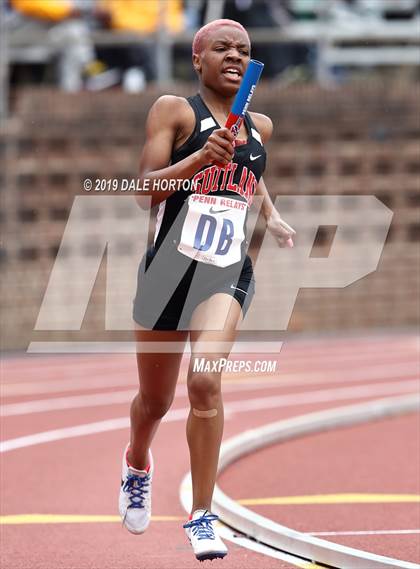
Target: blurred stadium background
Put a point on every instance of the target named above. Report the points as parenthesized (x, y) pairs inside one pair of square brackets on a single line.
[(341, 85)]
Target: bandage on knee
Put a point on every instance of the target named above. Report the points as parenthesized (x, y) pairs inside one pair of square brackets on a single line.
[(205, 414)]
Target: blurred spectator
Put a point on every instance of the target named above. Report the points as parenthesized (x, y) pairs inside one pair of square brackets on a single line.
[(304, 9), (344, 12), (402, 9), (143, 16), (381, 9), (67, 34), (137, 62), (354, 11)]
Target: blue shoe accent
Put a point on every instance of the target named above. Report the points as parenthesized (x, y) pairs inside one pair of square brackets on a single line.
[(137, 487), (135, 497), (203, 537), (201, 527)]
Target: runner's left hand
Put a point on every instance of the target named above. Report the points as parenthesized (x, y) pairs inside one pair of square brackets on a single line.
[(280, 230)]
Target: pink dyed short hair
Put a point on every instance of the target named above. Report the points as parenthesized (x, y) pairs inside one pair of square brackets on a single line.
[(203, 33)]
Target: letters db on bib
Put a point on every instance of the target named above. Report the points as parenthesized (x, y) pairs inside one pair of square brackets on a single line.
[(213, 230)]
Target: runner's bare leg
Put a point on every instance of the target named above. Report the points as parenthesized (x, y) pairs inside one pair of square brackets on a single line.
[(205, 428), (158, 375)]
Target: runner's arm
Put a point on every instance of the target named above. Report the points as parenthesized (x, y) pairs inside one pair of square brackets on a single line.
[(275, 224), (163, 124)]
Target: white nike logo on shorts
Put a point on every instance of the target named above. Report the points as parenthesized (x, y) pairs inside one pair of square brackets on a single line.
[(236, 288)]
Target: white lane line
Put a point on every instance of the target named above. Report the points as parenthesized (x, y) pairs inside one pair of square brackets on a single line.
[(88, 383), (121, 397), (60, 403), (65, 433), (293, 351), (226, 533), (58, 366), (81, 431), (372, 532), (368, 373), (324, 395)]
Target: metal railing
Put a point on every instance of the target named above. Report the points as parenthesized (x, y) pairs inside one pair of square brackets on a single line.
[(338, 43)]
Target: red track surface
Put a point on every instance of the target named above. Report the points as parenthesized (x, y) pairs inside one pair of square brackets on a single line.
[(80, 475), (376, 458)]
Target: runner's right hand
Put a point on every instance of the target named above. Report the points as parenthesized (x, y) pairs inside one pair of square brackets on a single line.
[(219, 147)]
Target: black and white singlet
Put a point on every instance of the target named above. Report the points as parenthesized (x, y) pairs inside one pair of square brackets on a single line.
[(200, 242)]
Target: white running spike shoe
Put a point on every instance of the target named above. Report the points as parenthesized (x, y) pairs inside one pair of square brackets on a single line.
[(203, 537), (135, 501)]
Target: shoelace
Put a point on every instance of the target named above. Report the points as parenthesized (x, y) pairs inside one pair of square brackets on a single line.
[(201, 527), (137, 487)]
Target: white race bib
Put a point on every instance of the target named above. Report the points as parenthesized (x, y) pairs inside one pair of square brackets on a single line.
[(213, 229)]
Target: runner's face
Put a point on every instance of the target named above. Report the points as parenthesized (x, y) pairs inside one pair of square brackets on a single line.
[(223, 61)]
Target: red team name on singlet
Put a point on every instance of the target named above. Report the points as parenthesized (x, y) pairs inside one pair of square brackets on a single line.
[(215, 178)]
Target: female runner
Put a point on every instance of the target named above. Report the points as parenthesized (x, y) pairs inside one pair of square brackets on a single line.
[(196, 281)]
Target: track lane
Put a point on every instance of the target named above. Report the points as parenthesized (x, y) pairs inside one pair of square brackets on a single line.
[(81, 475), (365, 459)]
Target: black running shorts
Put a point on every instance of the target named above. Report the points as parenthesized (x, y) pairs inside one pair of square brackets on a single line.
[(193, 283)]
